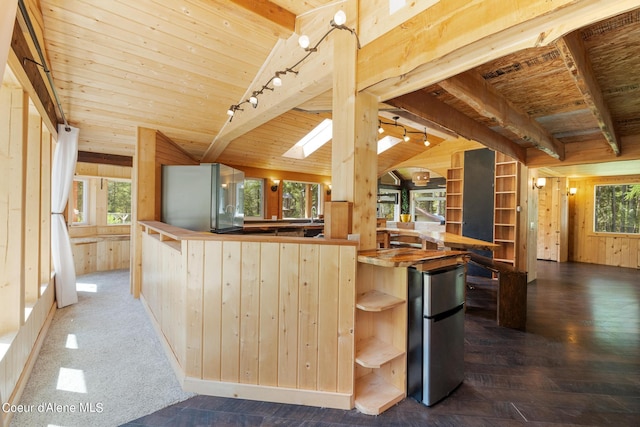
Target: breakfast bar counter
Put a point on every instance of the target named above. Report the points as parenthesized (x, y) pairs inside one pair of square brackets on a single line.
[(308, 321)]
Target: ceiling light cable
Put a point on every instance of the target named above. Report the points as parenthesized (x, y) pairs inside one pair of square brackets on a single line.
[(337, 23)]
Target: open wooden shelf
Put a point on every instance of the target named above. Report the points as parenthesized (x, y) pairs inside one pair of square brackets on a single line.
[(505, 208), (453, 210), (377, 301), (374, 395), (373, 353)]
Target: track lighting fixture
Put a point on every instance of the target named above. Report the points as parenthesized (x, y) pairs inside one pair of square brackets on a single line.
[(337, 23), (405, 134)]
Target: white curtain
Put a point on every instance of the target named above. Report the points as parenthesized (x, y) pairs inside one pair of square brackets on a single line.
[(8, 10), (63, 168)]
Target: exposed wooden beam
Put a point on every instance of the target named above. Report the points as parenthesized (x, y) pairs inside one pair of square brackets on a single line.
[(314, 77), (423, 105), (577, 61), (28, 65), (280, 16), (587, 152), (105, 159), (474, 91), (455, 36)]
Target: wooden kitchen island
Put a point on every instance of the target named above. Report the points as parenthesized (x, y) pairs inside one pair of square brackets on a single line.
[(284, 319)]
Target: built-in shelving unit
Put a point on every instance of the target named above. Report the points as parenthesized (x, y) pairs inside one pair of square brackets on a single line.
[(505, 205), (381, 329), (455, 177)]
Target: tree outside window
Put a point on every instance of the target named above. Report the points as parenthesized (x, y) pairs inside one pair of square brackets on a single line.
[(300, 199), (253, 191), (617, 208), (118, 202)]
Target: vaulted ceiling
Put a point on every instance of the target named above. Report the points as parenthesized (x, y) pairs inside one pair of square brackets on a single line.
[(176, 66)]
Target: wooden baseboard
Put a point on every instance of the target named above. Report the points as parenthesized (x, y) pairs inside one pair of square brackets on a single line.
[(291, 396)]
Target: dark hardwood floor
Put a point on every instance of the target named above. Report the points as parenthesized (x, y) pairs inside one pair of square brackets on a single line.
[(578, 363)]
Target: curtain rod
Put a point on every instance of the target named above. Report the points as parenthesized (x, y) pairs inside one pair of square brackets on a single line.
[(43, 64)]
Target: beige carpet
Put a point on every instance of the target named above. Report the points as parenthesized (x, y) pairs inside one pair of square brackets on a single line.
[(101, 363)]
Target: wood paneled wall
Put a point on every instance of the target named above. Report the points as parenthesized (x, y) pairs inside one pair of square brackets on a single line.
[(621, 250), (26, 283), (101, 253), (553, 224), (153, 149), (256, 319)]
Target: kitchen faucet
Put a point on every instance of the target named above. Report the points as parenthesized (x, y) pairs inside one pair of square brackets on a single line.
[(313, 213)]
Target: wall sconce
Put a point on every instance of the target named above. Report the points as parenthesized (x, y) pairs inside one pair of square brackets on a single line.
[(274, 186), (572, 191), (538, 183), (328, 189)]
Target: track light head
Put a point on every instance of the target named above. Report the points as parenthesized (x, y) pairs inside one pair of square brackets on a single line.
[(339, 19), (303, 41)]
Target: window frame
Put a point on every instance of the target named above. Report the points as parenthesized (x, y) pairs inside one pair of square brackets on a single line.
[(307, 215), (261, 181), (595, 210), (395, 192), (413, 195), (106, 219), (85, 203)]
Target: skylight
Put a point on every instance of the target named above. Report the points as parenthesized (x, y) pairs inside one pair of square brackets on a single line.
[(386, 143), (315, 139), (322, 134)]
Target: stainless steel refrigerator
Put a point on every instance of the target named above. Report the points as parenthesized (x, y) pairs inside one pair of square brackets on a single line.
[(205, 197), (435, 342)]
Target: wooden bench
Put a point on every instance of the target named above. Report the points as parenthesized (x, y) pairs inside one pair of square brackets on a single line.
[(512, 291)]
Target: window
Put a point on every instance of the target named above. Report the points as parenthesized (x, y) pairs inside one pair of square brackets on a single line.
[(118, 202), (388, 204), (428, 205), (300, 199), (253, 204), (617, 208), (79, 201)]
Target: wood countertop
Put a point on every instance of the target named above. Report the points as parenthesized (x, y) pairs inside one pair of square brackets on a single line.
[(267, 226), (176, 234), (407, 257), (442, 238)]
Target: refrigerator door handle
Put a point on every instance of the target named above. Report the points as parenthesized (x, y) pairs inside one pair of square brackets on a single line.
[(441, 316)]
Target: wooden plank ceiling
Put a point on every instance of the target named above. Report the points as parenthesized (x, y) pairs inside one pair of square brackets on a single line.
[(176, 66)]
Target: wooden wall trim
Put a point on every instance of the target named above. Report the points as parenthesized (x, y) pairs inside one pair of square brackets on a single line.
[(32, 72), (105, 159)]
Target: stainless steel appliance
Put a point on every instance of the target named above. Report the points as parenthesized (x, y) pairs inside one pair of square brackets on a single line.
[(206, 197), (435, 357)]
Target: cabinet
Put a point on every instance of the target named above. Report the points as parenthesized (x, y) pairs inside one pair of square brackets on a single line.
[(505, 205), (381, 337)]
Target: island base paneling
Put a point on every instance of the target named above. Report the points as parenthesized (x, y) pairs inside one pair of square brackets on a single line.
[(255, 318)]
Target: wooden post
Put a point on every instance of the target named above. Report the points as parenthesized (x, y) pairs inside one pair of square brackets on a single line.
[(32, 209), (143, 199), (45, 206), (354, 147), (13, 110)]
